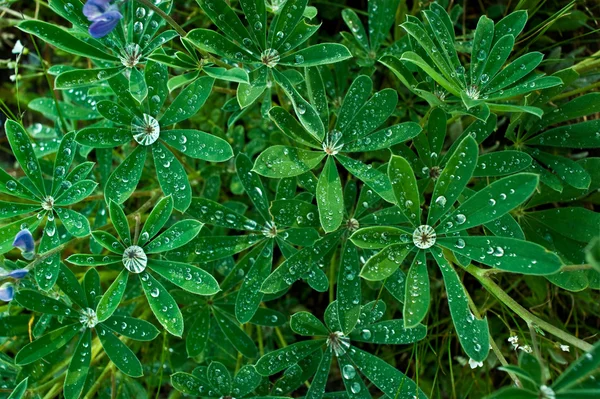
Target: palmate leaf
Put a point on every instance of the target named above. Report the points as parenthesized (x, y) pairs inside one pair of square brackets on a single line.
[(20, 390), (197, 336), (418, 295), (172, 176), (405, 188), (349, 288), (279, 161), (219, 378), (188, 277), (111, 299), (307, 324), (136, 329)]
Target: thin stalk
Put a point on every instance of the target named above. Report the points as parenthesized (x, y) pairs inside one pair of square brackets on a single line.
[(523, 313)]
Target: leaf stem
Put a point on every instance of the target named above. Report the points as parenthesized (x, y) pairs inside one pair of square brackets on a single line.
[(502, 296)]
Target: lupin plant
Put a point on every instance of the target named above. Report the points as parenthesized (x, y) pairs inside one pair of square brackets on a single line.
[(344, 199)]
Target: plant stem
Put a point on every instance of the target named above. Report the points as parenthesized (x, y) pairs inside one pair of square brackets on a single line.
[(502, 296), (164, 16)]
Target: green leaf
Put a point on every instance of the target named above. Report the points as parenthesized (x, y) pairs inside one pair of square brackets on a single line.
[(256, 15), (330, 197), (9, 231), (568, 170), (292, 128), (63, 161), (162, 304), (319, 381), (79, 367), (349, 288), (130, 327), (246, 380), (275, 361), (174, 237), (198, 144), (189, 384), (418, 294), (112, 297), (75, 223), (372, 177), (46, 273), (306, 113), (156, 220), (69, 284), (291, 213), (94, 260), (58, 37), (514, 71), (215, 43), (247, 94), (390, 332), (318, 54), (498, 56), (501, 163), (213, 213), (294, 267), (279, 161), (381, 18), (356, 27), (505, 253), (114, 113), (371, 115), (582, 367), (76, 193), (9, 185), (172, 177), (285, 21), (20, 390), (197, 337), (473, 333), (355, 386), (219, 378), (385, 138), (119, 222), (576, 223), (252, 185), (119, 353), (23, 151), (47, 344), (218, 247), (573, 135), (356, 97), (188, 277), (188, 102), (453, 179), (108, 241), (123, 181), (384, 376), (38, 302), (482, 43), (104, 137), (305, 323), (406, 191), (490, 203), (386, 262), (512, 24), (249, 295), (91, 286), (238, 338), (377, 237), (156, 75)]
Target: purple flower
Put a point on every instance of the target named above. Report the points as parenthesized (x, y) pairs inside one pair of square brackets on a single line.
[(103, 15), (7, 292), (24, 241)]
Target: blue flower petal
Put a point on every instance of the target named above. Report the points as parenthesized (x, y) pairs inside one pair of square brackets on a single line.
[(18, 274), (7, 292), (25, 242), (94, 9), (103, 25)]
